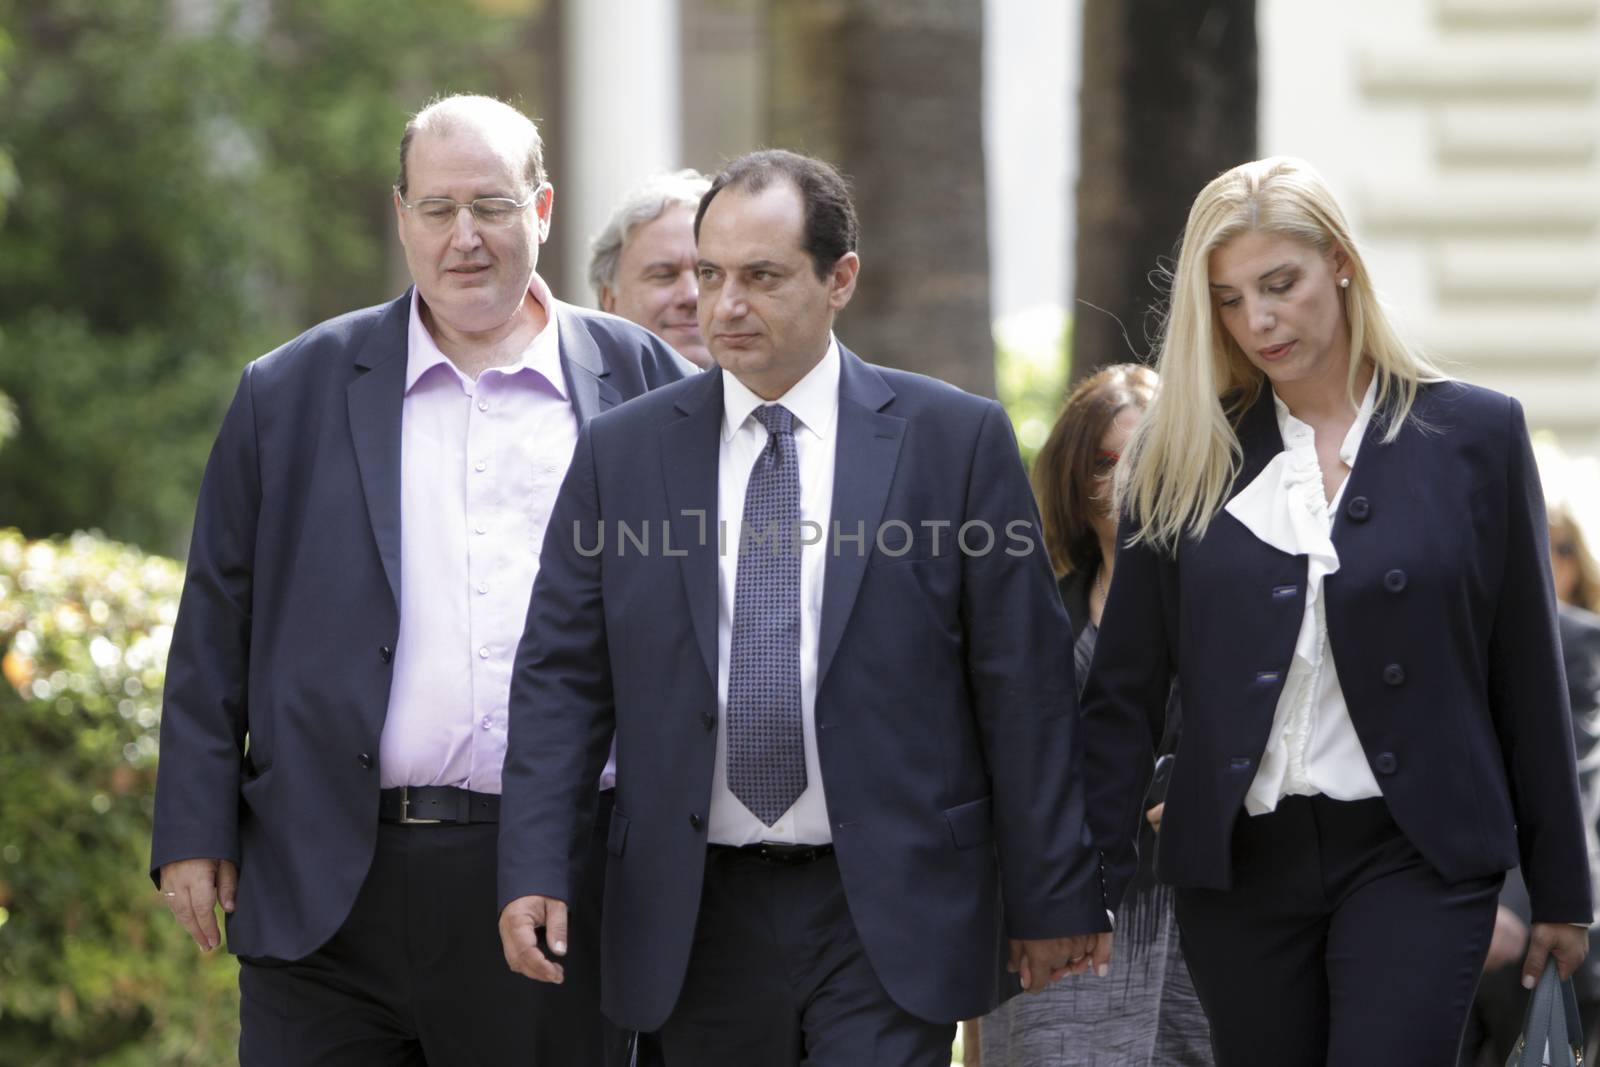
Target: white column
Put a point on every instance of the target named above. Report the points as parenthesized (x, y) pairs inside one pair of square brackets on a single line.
[(622, 115), (1031, 70)]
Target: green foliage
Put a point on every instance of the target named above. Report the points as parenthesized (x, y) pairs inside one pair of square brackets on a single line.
[(1031, 373), (183, 187), (93, 969), (8, 419)]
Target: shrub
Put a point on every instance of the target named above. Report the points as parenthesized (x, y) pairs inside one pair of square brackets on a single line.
[(93, 969)]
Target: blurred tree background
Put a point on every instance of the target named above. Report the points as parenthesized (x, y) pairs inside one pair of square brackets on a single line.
[(1169, 101), (190, 184)]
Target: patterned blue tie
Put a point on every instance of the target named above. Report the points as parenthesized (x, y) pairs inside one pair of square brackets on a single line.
[(766, 746)]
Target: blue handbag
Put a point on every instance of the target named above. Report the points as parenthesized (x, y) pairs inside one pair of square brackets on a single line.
[(1551, 1033)]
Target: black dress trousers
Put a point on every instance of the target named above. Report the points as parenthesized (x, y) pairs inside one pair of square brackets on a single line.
[(416, 976), (1337, 945), (778, 977)]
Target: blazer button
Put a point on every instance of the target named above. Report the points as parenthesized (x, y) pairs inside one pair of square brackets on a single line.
[(365, 761), (1359, 509), (708, 719), (385, 653), (1386, 763), (1394, 674), (1395, 580), (695, 820)]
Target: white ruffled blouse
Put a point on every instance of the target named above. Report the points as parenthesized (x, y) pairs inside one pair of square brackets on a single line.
[(1313, 747)]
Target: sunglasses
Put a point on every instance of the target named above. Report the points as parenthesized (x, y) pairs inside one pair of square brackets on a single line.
[(1105, 461)]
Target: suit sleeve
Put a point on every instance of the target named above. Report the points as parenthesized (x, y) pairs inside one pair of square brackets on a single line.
[(204, 712), (1125, 702), (1019, 669), (1529, 703), (561, 716)]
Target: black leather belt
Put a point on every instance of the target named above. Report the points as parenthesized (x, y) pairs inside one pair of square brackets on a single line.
[(782, 855), (428, 804)]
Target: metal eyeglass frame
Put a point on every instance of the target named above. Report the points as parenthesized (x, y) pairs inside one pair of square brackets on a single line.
[(470, 205)]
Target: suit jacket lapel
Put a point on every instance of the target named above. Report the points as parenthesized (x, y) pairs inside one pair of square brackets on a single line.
[(689, 451), (1380, 467), (375, 398), (1259, 438), (584, 367), (867, 451)]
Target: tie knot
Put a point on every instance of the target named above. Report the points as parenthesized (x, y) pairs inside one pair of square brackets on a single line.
[(776, 418)]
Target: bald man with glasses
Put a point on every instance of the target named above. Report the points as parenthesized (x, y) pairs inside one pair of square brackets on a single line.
[(366, 539)]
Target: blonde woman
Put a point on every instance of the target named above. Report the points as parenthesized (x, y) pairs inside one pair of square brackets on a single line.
[(1341, 555)]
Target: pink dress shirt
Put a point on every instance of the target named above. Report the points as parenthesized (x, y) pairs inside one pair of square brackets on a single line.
[(480, 463)]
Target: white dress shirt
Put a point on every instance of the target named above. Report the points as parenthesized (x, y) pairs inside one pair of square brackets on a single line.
[(480, 464), (1312, 747), (814, 402)]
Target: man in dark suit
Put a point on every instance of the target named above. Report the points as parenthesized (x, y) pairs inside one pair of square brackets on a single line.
[(838, 673), (334, 719)]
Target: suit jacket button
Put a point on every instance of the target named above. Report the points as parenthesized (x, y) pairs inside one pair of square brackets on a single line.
[(1359, 509), (365, 760), (695, 820), (1395, 580), (708, 719), (1394, 674), (1386, 763), (385, 653)]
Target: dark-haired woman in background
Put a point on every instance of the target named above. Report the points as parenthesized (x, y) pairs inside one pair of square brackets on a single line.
[(1496, 1020), (1145, 1011)]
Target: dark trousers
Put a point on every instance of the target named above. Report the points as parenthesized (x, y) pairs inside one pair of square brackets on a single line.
[(416, 975), (1338, 943), (778, 977)]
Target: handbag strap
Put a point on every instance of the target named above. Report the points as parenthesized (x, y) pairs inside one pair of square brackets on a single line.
[(1550, 1022), (1569, 1001)]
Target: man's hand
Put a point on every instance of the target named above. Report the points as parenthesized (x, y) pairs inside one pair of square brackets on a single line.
[(1567, 943), (1509, 942), (1041, 962), (520, 923), (193, 889), (1153, 816)]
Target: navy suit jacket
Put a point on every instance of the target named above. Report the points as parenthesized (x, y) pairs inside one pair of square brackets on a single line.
[(1442, 623), (278, 677), (945, 709)]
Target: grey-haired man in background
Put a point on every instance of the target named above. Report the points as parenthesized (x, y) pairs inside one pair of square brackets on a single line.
[(642, 265)]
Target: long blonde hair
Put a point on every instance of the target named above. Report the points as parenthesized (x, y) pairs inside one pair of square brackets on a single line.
[(1181, 462)]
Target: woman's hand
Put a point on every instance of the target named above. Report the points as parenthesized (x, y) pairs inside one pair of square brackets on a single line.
[(1569, 944)]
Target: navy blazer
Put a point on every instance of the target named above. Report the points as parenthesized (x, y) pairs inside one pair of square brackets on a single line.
[(1442, 623), (945, 708), (278, 677)]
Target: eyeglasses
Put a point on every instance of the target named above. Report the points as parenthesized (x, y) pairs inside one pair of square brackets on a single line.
[(1105, 461), (491, 212)]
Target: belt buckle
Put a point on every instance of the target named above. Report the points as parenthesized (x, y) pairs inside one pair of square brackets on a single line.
[(786, 855), (405, 811)]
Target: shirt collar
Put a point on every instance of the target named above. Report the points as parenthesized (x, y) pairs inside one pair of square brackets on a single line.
[(1287, 423), (542, 356), (813, 400)]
